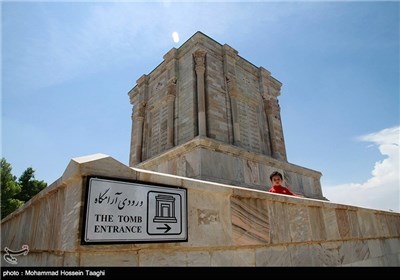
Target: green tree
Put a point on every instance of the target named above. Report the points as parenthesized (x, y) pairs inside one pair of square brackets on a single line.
[(29, 186), (14, 194), (9, 189)]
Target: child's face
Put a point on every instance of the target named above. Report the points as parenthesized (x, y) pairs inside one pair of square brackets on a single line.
[(276, 180)]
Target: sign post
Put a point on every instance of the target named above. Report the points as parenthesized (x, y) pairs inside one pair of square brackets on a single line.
[(133, 212)]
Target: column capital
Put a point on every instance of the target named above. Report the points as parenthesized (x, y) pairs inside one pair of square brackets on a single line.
[(171, 93), (199, 57), (141, 110)]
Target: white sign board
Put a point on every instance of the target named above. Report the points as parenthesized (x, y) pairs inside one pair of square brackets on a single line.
[(120, 211)]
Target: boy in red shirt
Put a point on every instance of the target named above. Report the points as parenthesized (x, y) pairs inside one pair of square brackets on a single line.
[(276, 180)]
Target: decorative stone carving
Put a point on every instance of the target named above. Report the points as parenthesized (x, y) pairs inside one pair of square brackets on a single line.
[(141, 109), (138, 120), (200, 57), (171, 93)]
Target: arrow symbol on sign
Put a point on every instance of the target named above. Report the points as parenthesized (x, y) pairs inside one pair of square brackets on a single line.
[(167, 228)]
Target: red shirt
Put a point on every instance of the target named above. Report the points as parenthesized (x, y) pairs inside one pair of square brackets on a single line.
[(281, 190)]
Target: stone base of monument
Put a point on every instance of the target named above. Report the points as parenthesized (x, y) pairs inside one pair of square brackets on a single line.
[(210, 160), (101, 212)]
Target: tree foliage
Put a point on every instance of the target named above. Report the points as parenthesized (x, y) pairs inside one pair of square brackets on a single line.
[(29, 186), (15, 193)]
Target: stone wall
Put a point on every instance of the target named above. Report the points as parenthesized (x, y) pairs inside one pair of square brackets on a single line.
[(227, 226)]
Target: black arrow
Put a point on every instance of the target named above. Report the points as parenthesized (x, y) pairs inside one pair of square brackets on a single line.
[(167, 228)]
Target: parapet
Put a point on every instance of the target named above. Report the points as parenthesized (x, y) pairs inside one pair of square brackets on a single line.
[(223, 225)]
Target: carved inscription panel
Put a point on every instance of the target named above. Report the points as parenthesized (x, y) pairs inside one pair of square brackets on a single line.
[(158, 136), (249, 126)]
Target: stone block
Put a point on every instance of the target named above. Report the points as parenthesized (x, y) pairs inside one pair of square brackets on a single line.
[(273, 256)]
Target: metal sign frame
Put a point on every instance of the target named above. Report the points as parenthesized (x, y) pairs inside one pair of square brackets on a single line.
[(131, 211)]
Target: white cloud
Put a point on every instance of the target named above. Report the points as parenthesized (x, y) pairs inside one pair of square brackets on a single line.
[(382, 190)]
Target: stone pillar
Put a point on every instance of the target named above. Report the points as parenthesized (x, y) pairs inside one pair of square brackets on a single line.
[(263, 79), (233, 94), (132, 155), (271, 110), (138, 98), (199, 57), (170, 121), (270, 90), (230, 58), (138, 119), (171, 60)]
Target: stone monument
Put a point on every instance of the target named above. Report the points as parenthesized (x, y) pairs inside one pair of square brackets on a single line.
[(203, 117), (207, 113)]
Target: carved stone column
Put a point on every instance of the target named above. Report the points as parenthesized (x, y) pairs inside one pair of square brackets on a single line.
[(138, 98), (170, 121), (230, 56), (271, 110), (172, 66), (138, 119), (233, 94), (199, 57)]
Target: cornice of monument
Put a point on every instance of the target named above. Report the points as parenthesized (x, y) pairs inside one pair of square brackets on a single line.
[(199, 40)]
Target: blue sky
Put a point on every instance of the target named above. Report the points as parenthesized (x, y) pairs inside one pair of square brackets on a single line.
[(67, 68)]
